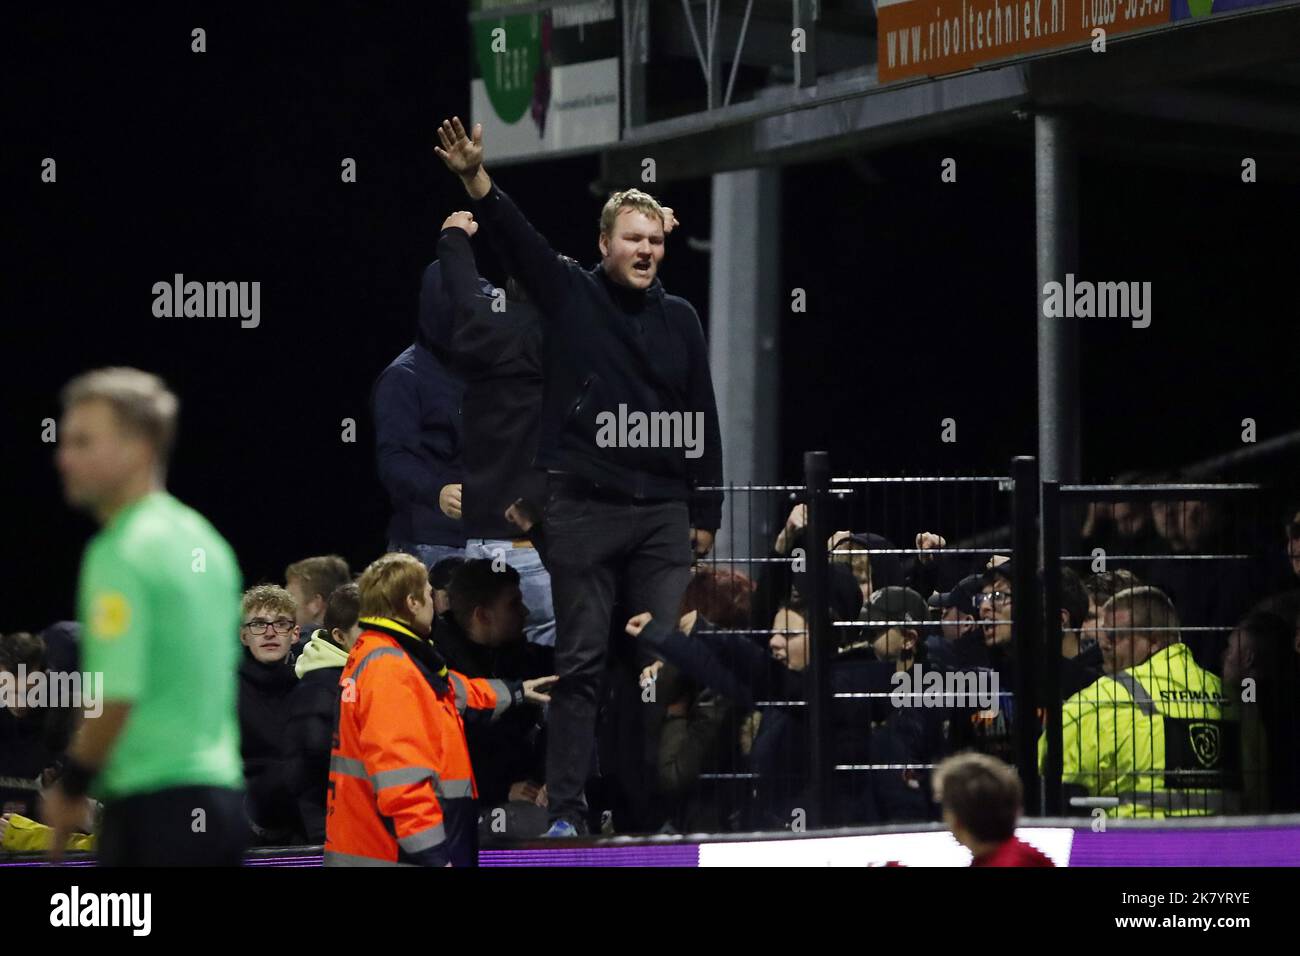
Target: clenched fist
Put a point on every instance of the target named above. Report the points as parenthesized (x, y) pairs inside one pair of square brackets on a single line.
[(461, 220), (449, 501)]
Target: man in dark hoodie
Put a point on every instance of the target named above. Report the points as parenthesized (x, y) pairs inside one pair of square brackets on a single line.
[(625, 507), (314, 706), (496, 349), (266, 679), (416, 403)]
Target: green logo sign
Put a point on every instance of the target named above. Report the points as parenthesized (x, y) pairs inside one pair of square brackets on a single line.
[(509, 64)]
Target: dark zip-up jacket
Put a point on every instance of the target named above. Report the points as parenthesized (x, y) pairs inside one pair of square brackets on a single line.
[(608, 346)]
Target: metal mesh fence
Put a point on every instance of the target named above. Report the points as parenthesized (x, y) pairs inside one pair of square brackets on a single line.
[(847, 634)]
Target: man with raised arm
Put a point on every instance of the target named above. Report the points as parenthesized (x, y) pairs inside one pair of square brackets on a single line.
[(629, 438)]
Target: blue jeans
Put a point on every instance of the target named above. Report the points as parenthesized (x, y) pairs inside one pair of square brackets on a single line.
[(534, 583), (430, 554)]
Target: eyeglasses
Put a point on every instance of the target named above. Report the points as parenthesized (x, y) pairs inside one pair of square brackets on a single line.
[(999, 598), (282, 626)]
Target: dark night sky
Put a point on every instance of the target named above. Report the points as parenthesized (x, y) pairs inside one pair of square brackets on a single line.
[(225, 166)]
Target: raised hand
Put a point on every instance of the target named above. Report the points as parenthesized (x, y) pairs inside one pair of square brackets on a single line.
[(928, 540), (462, 154)]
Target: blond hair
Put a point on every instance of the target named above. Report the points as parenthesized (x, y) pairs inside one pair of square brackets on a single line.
[(1150, 612), (628, 199), (141, 401), (272, 597), (388, 582)]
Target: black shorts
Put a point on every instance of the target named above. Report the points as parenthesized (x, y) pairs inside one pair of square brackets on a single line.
[(180, 826)]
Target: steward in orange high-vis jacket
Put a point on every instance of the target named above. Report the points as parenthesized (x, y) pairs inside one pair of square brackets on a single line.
[(401, 788)]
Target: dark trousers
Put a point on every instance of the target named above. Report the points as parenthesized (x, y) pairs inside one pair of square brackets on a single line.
[(162, 828), (600, 548)]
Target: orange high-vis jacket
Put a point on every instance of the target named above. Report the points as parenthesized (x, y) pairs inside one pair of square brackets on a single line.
[(401, 788)]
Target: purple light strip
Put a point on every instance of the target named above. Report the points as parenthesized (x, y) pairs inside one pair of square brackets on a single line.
[(1236, 846)]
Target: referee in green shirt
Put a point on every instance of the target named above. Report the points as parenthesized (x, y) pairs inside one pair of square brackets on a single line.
[(158, 602)]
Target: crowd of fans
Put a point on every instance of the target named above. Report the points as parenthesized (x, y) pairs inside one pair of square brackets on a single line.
[(1177, 674), (702, 727)]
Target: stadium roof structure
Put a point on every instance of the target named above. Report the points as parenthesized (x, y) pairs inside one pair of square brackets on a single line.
[(711, 86)]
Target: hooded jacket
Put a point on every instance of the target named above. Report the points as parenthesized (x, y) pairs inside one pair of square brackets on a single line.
[(498, 354), (416, 402), (313, 718), (610, 349)]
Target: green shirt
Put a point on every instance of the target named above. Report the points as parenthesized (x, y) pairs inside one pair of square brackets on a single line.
[(159, 608)]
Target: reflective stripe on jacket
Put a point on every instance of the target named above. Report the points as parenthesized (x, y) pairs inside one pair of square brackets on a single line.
[(1159, 738), (401, 789)]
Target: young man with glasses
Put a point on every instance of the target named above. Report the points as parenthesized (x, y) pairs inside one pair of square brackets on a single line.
[(268, 630)]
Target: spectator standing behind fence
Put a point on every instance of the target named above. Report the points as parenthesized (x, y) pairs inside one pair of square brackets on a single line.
[(159, 607), (496, 348), (416, 404), (990, 731), (1261, 671), (981, 799), (1154, 733), (314, 707), (699, 729), (866, 730), (623, 512), (960, 641), (266, 679), (1213, 592)]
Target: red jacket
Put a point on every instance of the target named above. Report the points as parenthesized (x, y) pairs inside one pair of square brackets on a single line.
[(1014, 852)]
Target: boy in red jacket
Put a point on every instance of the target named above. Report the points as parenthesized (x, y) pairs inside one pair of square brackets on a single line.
[(981, 800)]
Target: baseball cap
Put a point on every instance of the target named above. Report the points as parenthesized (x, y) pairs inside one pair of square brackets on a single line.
[(895, 604), (962, 595)]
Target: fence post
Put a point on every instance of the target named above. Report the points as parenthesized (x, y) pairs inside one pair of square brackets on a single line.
[(1026, 626), (821, 641), (1053, 805)]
